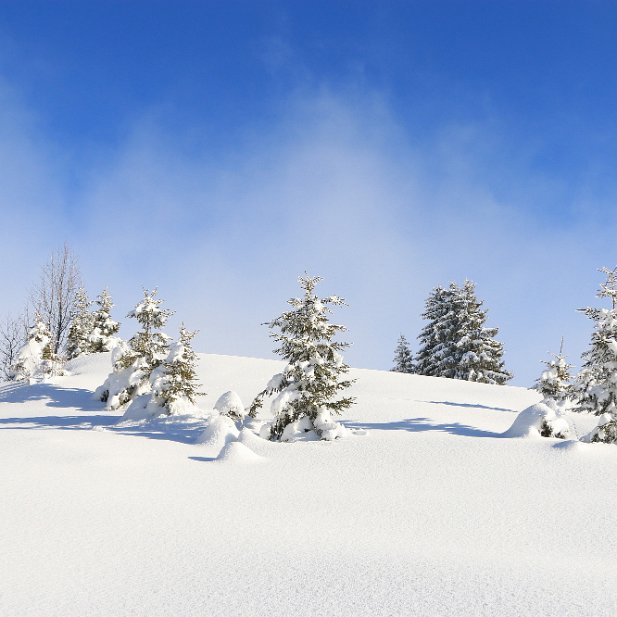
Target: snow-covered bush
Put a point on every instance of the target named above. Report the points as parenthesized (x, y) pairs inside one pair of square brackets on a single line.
[(134, 363), (104, 328), (229, 404), (308, 386), (539, 420), (35, 360)]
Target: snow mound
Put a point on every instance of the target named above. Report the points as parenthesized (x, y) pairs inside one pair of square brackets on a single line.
[(237, 452), (220, 432), (248, 438), (230, 404), (539, 420)]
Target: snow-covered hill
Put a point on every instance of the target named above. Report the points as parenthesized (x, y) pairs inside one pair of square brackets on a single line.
[(427, 512)]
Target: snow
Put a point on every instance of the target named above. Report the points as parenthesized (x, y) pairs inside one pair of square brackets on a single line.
[(236, 452), (220, 432), (431, 512), (230, 404)]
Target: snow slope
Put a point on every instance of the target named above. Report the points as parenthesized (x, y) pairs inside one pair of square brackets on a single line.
[(430, 512)]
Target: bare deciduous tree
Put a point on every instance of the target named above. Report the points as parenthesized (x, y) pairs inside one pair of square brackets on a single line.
[(11, 340), (54, 297)]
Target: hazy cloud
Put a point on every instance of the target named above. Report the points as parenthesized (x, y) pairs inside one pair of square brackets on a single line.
[(336, 187)]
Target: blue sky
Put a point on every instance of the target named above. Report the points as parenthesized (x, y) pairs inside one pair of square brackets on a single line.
[(219, 149)]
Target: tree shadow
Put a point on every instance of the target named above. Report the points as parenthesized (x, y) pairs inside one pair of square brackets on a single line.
[(181, 430), (53, 396), (421, 425), (67, 423), (476, 405), (203, 459)]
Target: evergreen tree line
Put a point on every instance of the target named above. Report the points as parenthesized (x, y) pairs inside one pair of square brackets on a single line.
[(152, 375), (455, 344)]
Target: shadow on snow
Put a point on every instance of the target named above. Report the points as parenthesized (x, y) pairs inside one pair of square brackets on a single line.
[(474, 405), (420, 425), (51, 395), (180, 430), (202, 459)]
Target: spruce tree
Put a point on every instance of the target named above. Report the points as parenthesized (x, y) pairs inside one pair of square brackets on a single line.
[(309, 386), (104, 328), (175, 386), (403, 358), (555, 382), (479, 356), (431, 337), (597, 383), (82, 325), (455, 343), (445, 353)]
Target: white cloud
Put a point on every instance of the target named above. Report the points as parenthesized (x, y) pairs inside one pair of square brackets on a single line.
[(337, 188)]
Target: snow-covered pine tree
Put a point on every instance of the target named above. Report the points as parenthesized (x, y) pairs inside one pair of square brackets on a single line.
[(174, 384), (35, 359), (134, 363), (307, 388), (149, 343), (80, 330), (403, 358), (431, 337), (455, 343), (597, 383), (104, 329), (445, 352), (479, 356), (554, 383)]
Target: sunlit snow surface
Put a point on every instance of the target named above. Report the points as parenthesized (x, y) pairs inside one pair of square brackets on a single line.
[(423, 509)]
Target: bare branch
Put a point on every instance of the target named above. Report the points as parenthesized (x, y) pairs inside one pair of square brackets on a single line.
[(54, 296), (11, 340)]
